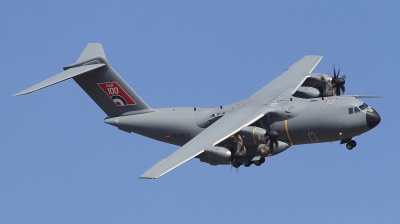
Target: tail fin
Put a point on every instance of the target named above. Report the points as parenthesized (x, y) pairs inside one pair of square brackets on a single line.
[(100, 81)]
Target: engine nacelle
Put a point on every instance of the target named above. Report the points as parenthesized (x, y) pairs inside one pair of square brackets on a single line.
[(252, 135), (306, 92), (216, 155), (265, 151)]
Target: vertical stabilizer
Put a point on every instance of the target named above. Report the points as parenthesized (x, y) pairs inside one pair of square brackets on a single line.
[(106, 87), (91, 51), (101, 82)]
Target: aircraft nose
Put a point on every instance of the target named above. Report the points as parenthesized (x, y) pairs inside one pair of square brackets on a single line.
[(373, 119)]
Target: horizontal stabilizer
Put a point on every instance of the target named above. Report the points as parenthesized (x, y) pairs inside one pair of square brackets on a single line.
[(70, 73)]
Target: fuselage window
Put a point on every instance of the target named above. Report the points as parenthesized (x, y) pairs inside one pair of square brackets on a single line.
[(364, 106), (351, 110), (356, 110)]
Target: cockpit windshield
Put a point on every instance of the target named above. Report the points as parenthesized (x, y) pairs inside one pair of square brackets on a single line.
[(364, 106)]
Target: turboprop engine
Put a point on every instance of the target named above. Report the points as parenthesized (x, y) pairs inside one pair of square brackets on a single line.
[(264, 150), (325, 84), (216, 155), (307, 92), (252, 135)]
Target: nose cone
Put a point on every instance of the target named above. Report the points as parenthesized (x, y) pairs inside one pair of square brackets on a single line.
[(373, 119)]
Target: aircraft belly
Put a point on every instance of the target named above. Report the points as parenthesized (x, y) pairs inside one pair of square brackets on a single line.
[(175, 129), (300, 130)]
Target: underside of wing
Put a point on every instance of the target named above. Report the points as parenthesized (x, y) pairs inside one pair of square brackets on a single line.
[(216, 133)]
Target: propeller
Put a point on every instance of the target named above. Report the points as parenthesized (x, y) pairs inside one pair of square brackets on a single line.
[(240, 149), (338, 82), (239, 146), (322, 86), (239, 153), (272, 136)]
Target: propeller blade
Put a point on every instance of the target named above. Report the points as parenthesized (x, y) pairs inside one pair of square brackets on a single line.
[(239, 146), (338, 82), (271, 144), (342, 88), (334, 72), (273, 139)]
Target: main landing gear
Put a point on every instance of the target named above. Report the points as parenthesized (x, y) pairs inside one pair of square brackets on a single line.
[(237, 164), (350, 144)]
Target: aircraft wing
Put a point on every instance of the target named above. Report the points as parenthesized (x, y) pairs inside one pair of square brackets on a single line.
[(239, 117), (223, 128), (288, 82)]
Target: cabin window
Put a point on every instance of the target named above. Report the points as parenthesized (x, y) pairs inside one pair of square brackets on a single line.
[(364, 106), (351, 110), (356, 110)]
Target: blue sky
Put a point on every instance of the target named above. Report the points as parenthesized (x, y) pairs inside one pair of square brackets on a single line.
[(59, 162)]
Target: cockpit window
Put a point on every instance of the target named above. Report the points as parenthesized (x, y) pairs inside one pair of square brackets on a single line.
[(364, 106), (350, 110), (356, 110)]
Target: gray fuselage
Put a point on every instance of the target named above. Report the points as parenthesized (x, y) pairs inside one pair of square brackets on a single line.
[(299, 121)]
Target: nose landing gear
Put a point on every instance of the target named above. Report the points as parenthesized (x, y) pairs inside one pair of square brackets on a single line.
[(350, 144)]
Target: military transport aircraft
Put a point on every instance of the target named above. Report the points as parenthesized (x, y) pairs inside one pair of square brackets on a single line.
[(298, 107)]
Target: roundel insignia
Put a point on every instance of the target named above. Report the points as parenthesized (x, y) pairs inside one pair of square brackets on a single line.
[(119, 100), (116, 93)]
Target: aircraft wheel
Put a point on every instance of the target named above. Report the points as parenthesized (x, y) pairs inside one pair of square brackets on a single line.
[(247, 163), (262, 160), (257, 163), (349, 146), (354, 143)]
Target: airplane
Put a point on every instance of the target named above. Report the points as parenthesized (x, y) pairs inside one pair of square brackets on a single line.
[(298, 107)]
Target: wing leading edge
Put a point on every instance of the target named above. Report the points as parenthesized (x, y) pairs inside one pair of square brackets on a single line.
[(287, 83), (252, 110)]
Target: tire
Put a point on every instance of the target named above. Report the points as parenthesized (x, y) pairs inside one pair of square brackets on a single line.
[(247, 163), (257, 163), (349, 146)]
